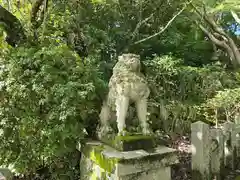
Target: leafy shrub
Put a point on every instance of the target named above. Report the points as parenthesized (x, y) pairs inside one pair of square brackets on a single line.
[(223, 106), (178, 92), (47, 95)]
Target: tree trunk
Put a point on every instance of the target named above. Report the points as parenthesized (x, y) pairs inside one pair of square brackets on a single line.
[(13, 28), (218, 36)]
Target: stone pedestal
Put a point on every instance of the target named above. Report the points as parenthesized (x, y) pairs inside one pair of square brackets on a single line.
[(5, 173), (129, 142), (102, 162)]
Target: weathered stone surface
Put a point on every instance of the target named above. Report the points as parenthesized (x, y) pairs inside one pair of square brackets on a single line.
[(2, 177), (228, 128), (235, 137), (101, 161), (200, 151), (156, 174), (5, 172), (207, 152), (130, 142), (214, 150), (217, 154)]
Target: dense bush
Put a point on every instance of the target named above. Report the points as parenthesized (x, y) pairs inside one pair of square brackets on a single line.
[(180, 94), (49, 97), (50, 100), (224, 106), (46, 96)]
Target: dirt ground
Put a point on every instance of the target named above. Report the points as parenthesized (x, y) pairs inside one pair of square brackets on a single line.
[(182, 171)]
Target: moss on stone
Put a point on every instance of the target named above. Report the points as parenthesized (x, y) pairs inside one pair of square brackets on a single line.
[(94, 176), (94, 152), (130, 142), (132, 137), (101, 156)]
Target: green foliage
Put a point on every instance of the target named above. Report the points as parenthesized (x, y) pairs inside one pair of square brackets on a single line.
[(46, 97), (224, 105), (49, 98), (227, 5), (179, 92)]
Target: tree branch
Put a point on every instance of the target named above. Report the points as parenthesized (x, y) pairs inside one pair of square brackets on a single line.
[(231, 43), (139, 25), (214, 25), (215, 54), (35, 9), (209, 20), (235, 16), (9, 5), (45, 15), (222, 44), (163, 29), (228, 43), (211, 36)]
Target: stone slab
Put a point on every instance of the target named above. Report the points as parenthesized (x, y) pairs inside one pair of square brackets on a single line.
[(128, 162), (155, 174), (130, 142), (5, 172)]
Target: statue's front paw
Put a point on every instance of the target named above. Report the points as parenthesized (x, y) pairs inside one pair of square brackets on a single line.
[(147, 131), (122, 133), (100, 134), (103, 131)]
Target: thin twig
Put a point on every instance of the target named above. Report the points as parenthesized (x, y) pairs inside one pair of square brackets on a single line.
[(167, 25), (45, 16), (9, 5), (235, 16), (139, 25)]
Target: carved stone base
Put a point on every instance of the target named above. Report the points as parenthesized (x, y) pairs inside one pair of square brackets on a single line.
[(5, 173), (102, 162), (129, 142)]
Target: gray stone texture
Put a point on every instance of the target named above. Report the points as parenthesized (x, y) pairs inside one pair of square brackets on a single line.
[(102, 162)]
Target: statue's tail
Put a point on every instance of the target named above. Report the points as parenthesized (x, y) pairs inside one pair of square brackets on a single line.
[(104, 118), (105, 113)]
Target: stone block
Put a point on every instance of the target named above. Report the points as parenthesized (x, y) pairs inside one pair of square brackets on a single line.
[(102, 162), (6, 173), (130, 142), (217, 154), (200, 145), (229, 147), (207, 152)]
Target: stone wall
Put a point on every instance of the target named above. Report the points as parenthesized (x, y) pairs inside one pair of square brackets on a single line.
[(214, 150)]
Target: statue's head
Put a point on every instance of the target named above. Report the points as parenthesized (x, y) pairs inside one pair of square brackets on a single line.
[(132, 61)]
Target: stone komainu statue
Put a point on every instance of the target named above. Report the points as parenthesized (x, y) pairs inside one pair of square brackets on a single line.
[(126, 85)]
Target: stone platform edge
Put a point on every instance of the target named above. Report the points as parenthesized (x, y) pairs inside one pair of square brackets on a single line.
[(126, 162)]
